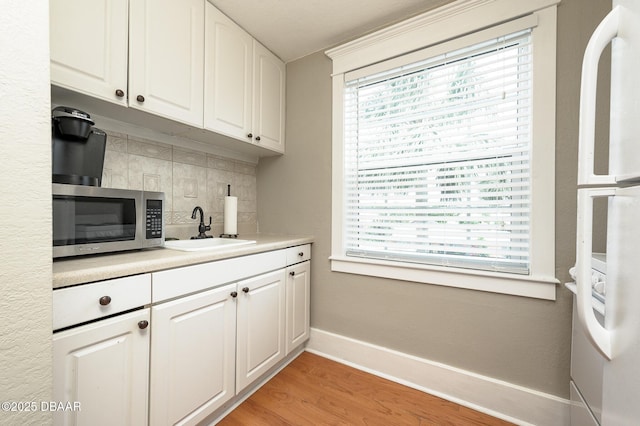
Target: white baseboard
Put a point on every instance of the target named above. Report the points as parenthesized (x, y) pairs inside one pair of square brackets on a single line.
[(513, 403)]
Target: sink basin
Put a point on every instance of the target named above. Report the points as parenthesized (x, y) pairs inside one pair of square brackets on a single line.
[(205, 244)]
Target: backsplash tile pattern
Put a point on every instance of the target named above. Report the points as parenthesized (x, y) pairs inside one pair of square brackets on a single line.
[(188, 178)]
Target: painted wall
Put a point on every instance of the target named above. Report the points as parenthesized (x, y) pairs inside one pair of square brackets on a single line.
[(519, 340), (25, 210)]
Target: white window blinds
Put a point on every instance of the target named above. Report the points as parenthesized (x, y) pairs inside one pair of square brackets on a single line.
[(437, 159)]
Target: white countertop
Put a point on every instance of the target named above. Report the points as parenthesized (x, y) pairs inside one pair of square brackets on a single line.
[(80, 270)]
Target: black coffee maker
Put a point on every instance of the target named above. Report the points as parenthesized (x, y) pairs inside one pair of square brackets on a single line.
[(77, 147)]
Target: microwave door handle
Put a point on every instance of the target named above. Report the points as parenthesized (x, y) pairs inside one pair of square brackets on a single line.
[(606, 31), (600, 337)]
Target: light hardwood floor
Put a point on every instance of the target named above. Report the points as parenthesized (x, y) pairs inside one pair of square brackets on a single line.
[(313, 390)]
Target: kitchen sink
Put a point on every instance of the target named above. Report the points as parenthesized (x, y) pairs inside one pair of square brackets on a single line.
[(205, 244)]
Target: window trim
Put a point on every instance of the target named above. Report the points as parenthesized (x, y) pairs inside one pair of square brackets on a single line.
[(436, 28)]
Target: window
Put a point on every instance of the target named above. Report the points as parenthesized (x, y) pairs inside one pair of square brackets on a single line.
[(440, 151), (437, 159)]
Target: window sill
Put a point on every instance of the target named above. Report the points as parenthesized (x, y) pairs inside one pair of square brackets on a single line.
[(535, 286)]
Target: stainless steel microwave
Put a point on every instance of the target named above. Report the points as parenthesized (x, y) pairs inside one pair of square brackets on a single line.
[(91, 220)]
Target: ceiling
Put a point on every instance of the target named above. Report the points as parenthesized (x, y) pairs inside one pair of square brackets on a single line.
[(295, 28)]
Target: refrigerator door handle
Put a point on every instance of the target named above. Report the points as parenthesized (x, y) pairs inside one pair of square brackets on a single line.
[(606, 31), (599, 336)]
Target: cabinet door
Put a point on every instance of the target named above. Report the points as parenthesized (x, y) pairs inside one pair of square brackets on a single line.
[(104, 367), (166, 58), (261, 325), (298, 291), (193, 356), (268, 99), (89, 47), (228, 78)]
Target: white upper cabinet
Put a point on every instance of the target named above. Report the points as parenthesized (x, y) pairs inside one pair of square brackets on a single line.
[(228, 80), (89, 47), (268, 98), (155, 49), (182, 60), (244, 85), (166, 58)]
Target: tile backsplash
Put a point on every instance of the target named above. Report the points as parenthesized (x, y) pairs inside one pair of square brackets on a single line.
[(188, 178)]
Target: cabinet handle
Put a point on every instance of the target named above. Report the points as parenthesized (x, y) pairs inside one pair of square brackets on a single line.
[(143, 324), (245, 289), (258, 138), (234, 294), (292, 273), (140, 98), (119, 93), (105, 300), (250, 135), (301, 254)]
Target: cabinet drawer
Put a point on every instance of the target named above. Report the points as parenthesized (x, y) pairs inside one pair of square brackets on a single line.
[(191, 279), (298, 254), (74, 305)]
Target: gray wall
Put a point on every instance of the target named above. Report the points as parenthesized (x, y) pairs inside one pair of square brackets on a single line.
[(520, 340)]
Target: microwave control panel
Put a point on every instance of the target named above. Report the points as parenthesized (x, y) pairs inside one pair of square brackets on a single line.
[(154, 219)]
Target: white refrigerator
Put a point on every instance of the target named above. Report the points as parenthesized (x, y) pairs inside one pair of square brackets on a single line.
[(605, 359)]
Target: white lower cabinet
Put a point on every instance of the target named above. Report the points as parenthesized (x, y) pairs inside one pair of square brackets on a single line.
[(209, 346), (192, 356), (261, 326), (298, 303), (102, 369), (201, 335)]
